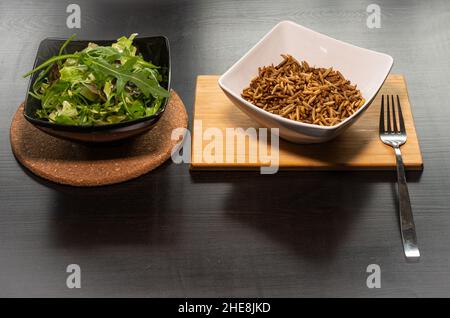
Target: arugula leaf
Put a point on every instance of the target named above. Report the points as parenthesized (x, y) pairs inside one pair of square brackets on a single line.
[(146, 85), (50, 62)]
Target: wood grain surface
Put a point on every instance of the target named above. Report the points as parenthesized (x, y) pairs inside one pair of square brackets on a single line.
[(359, 147), (176, 233)]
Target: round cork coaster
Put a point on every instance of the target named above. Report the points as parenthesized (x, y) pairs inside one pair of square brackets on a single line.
[(80, 164)]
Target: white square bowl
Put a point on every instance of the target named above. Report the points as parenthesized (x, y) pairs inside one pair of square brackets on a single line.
[(365, 68)]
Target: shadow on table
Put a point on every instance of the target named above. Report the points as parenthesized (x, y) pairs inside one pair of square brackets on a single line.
[(309, 212), (132, 212)]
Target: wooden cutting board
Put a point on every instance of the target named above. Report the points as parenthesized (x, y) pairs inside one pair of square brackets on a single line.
[(359, 147)]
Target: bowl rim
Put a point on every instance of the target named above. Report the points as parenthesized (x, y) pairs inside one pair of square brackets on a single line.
[(291, 121), (94, 128)]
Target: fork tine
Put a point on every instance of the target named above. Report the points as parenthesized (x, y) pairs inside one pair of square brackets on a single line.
[(388, 115), (394, 118), (400, 117), (382, 115)]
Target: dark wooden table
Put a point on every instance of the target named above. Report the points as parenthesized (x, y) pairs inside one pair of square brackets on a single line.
[(171, 233)]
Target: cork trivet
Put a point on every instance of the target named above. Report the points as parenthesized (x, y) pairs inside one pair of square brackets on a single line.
[(81, 164)]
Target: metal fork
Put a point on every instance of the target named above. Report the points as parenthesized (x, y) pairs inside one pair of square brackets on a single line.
[(395, 137)]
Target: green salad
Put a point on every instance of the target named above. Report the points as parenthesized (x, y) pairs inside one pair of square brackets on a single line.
[(98, 85)]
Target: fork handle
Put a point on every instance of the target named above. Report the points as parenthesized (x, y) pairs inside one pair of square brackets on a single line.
[(407, 225)]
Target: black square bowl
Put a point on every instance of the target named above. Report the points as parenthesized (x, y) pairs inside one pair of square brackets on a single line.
[(155, 49)]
